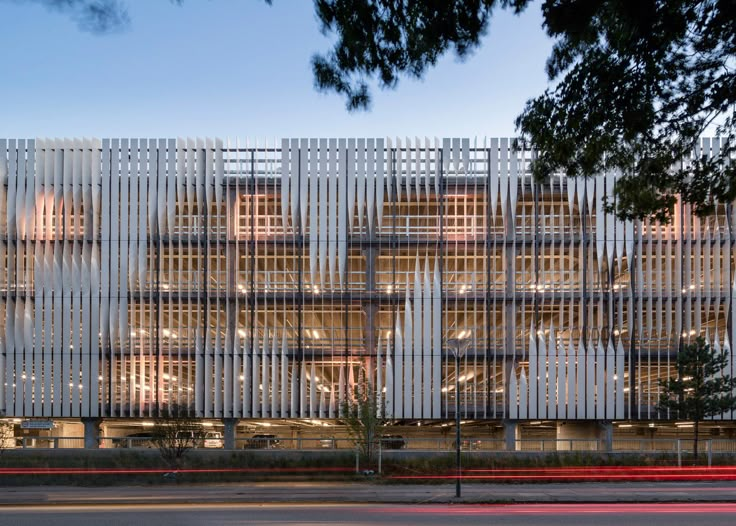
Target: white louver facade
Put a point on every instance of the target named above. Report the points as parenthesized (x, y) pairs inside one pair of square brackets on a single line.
[(260, 279)]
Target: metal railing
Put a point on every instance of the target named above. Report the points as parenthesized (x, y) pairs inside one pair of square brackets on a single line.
[(681, 447), (46, 443)]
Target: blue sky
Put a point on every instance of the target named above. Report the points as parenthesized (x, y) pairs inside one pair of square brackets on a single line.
[(241, 68)]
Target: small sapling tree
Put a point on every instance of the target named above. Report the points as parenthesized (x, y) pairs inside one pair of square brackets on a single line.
[(176, 432), (362, 415), (701, 389)]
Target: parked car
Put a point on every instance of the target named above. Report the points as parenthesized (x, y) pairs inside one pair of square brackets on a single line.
[(10, 442), (262, 441), (393, 442), (469, 444), (213, 439), (191, 437), (143, 439)]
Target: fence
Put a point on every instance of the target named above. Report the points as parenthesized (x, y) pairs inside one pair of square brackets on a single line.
[(400, 443)]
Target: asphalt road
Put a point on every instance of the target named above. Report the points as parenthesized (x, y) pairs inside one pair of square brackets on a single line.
[(364, 493), (676, 514)]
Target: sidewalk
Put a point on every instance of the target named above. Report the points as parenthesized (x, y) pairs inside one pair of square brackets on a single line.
[(310, 492)]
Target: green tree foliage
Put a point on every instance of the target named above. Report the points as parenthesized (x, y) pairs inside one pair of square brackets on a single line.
[(363, 419), (384, 39), (94, 16), (701, 388), (634, 84)]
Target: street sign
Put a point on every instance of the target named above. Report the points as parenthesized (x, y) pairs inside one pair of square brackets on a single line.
[(37, 424)]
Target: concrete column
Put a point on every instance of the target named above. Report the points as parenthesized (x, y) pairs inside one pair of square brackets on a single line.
[(371, 256), (91, 432), (606, 435), (228, 434), (511, 433), (582, 435), (296, 439)]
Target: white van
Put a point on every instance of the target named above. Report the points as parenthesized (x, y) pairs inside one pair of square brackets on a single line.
[(213, 439)]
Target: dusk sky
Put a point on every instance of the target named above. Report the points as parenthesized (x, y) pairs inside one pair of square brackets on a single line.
[(233, 68)]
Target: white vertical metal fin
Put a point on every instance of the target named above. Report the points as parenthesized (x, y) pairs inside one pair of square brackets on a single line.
[(533, 374), (619, 375), (600, 231), (570, 186), (552, 374), (503, 177), (523, 396), (513, 394), (343, 212), (399, 157), (371, 181), (572, 360), (610, 380), (381, 182), (146, 196), (295, 391), (217, 385), (342, 398), (322, 403), (600, 381), (257, 377), (284, 363), (313, 403), (314, 214), (162, 201), (333, 217), (324, 177), (493, 182), (426, 343), (303, 411), (389, 400), (265, 386), (285, 183), (92, 190), (129, 188), (436, 342), (417, 345), (562, 393), (275, 378), (347, 156), (399, 369), (590, 379), (112, 224), (238, 377), (379, 380), (302, 183), (39, 285), (408, 356), (542, 378), (580, 360), (332, 407), (360, 175), (427, 172), (514, 180)]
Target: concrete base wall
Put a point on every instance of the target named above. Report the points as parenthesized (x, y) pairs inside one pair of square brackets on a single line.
[(584, 436)]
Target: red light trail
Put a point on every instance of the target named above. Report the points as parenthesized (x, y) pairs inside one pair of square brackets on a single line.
[(587, 474)]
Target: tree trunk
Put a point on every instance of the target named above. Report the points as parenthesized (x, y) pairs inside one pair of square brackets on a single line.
[(695, 442)]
